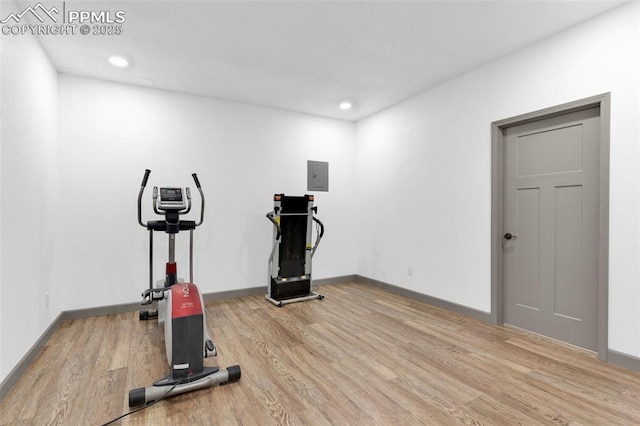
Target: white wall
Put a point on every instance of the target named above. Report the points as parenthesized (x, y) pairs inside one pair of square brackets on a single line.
[(424, 169), (28, 179), (109, 133)]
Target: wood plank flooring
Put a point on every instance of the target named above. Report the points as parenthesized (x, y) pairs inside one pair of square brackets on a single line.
[(361, 356)]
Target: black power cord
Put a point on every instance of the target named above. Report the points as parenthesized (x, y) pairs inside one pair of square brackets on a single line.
[(184, 380)]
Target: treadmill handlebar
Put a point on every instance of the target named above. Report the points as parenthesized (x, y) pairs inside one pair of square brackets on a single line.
[(276, 224), (315, 219), (319, 237)]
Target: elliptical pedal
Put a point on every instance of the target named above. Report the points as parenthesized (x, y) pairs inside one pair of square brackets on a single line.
[(209, 347)]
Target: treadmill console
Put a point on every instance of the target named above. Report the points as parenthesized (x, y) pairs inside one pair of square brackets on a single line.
[(171, 199)]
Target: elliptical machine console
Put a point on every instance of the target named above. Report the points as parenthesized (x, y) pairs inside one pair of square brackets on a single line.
[(171, 199), (180, 306)]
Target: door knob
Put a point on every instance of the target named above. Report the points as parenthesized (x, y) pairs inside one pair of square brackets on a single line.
[(509, 236)]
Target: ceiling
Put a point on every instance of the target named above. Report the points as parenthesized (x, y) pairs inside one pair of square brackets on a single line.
[(308, 56)]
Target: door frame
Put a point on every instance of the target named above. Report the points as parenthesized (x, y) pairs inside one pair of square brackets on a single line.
[(497, 200)]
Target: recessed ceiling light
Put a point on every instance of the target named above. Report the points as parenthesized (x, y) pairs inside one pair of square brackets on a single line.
[(118, 61), (345, 105)]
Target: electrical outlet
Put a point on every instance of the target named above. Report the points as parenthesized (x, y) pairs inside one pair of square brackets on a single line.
[(46, 299), (410, 271)]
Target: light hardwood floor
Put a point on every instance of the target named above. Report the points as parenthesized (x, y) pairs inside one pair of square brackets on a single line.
[(361, 356)]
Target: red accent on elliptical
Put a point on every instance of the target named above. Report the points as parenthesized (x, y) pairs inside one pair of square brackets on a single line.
[(171, 268), (185, 300)]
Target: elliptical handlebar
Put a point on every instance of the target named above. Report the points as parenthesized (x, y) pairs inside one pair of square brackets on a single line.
[(195, 179), (188, 195), (155, 201), (197, 182), (147, 172), (145, 178)]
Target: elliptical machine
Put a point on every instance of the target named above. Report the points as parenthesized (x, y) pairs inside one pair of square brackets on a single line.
[(180, 306)]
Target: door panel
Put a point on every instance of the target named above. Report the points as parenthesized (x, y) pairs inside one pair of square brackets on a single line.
[(528, 277), (551, 199), (568, 249), (550, 151)]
